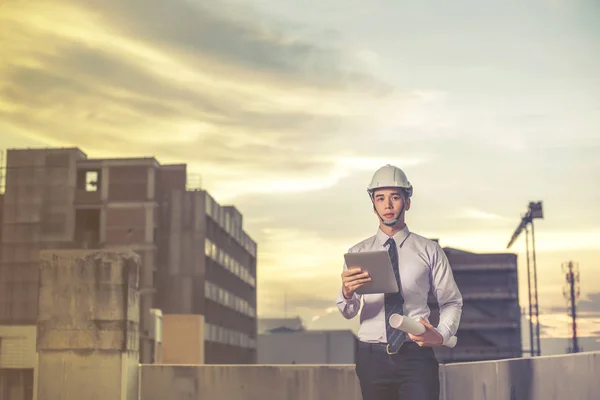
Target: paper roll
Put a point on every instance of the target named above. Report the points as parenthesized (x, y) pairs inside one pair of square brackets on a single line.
[(413, 327)]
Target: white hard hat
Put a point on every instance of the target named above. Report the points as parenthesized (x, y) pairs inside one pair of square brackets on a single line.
[(390, 176)]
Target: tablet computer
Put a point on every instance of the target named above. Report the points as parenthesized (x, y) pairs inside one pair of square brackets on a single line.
[(379, 266)]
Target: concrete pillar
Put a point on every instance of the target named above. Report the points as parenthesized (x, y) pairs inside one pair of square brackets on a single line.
[(87, 339)]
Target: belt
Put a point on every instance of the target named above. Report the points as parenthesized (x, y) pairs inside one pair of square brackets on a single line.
[(377, 346)]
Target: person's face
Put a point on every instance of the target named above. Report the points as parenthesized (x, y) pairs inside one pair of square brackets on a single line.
[(388, 203)]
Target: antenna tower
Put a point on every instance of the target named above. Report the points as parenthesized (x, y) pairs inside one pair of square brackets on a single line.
[(571, 293)]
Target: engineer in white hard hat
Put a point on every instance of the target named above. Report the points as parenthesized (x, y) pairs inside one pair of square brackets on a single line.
[(391, 364)]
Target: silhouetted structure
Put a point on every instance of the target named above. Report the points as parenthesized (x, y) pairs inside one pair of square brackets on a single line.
[(534, 211), (571, 292), (490, 326), (195, 256)]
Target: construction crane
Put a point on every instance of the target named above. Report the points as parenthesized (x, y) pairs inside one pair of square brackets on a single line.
[(534, 211), (571, 293)]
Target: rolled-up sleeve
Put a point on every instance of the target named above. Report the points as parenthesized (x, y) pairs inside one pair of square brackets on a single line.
[(447, 294)]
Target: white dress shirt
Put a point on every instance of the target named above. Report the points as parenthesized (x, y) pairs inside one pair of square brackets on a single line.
[(423, 266)]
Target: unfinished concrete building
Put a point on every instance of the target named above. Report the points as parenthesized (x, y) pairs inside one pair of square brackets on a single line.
[(490, 326), (196, 257)]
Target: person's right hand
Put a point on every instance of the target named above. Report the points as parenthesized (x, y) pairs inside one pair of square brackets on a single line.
[(352, 279)]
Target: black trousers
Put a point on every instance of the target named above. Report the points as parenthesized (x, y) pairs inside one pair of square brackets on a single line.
[(410, 374)]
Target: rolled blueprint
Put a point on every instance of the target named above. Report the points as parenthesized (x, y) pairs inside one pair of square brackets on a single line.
[(413, 327)]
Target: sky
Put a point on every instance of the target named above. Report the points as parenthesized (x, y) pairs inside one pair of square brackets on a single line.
[(286, 109)]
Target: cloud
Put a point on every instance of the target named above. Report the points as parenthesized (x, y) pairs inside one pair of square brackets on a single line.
[(474, 213), (547, 241), (588, 307), (301, 266), (225, 39), (328, 310), (286, 124), (558, 318), (591, 304), (191, 81), (253, 109), (558, 325), (331, 319), (256, 110), (304, 178)]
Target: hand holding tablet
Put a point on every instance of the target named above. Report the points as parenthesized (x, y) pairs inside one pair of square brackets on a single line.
[(352, 280), (378, 267)]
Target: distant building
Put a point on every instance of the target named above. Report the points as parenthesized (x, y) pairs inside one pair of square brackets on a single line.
[(268, 325), (196, 257), (285, 341), (490, 326)]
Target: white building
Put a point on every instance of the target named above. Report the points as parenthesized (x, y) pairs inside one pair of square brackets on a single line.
[(287, 342)]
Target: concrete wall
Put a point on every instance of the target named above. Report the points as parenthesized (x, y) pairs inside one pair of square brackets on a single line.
[(87, 331), (234, 382), (573, 377)]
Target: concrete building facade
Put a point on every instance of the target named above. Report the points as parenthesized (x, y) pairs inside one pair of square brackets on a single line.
[(490, 326), (195, 256)]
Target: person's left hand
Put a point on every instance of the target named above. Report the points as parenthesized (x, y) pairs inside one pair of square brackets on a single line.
[(430, 338)]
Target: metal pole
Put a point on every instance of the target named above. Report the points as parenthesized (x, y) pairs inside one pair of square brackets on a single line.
[(537, 306), (531, 342)]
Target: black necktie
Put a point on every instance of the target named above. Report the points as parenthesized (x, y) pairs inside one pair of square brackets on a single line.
[(393, 303)]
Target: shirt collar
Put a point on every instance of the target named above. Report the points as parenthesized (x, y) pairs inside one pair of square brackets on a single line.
[(399, 237)]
